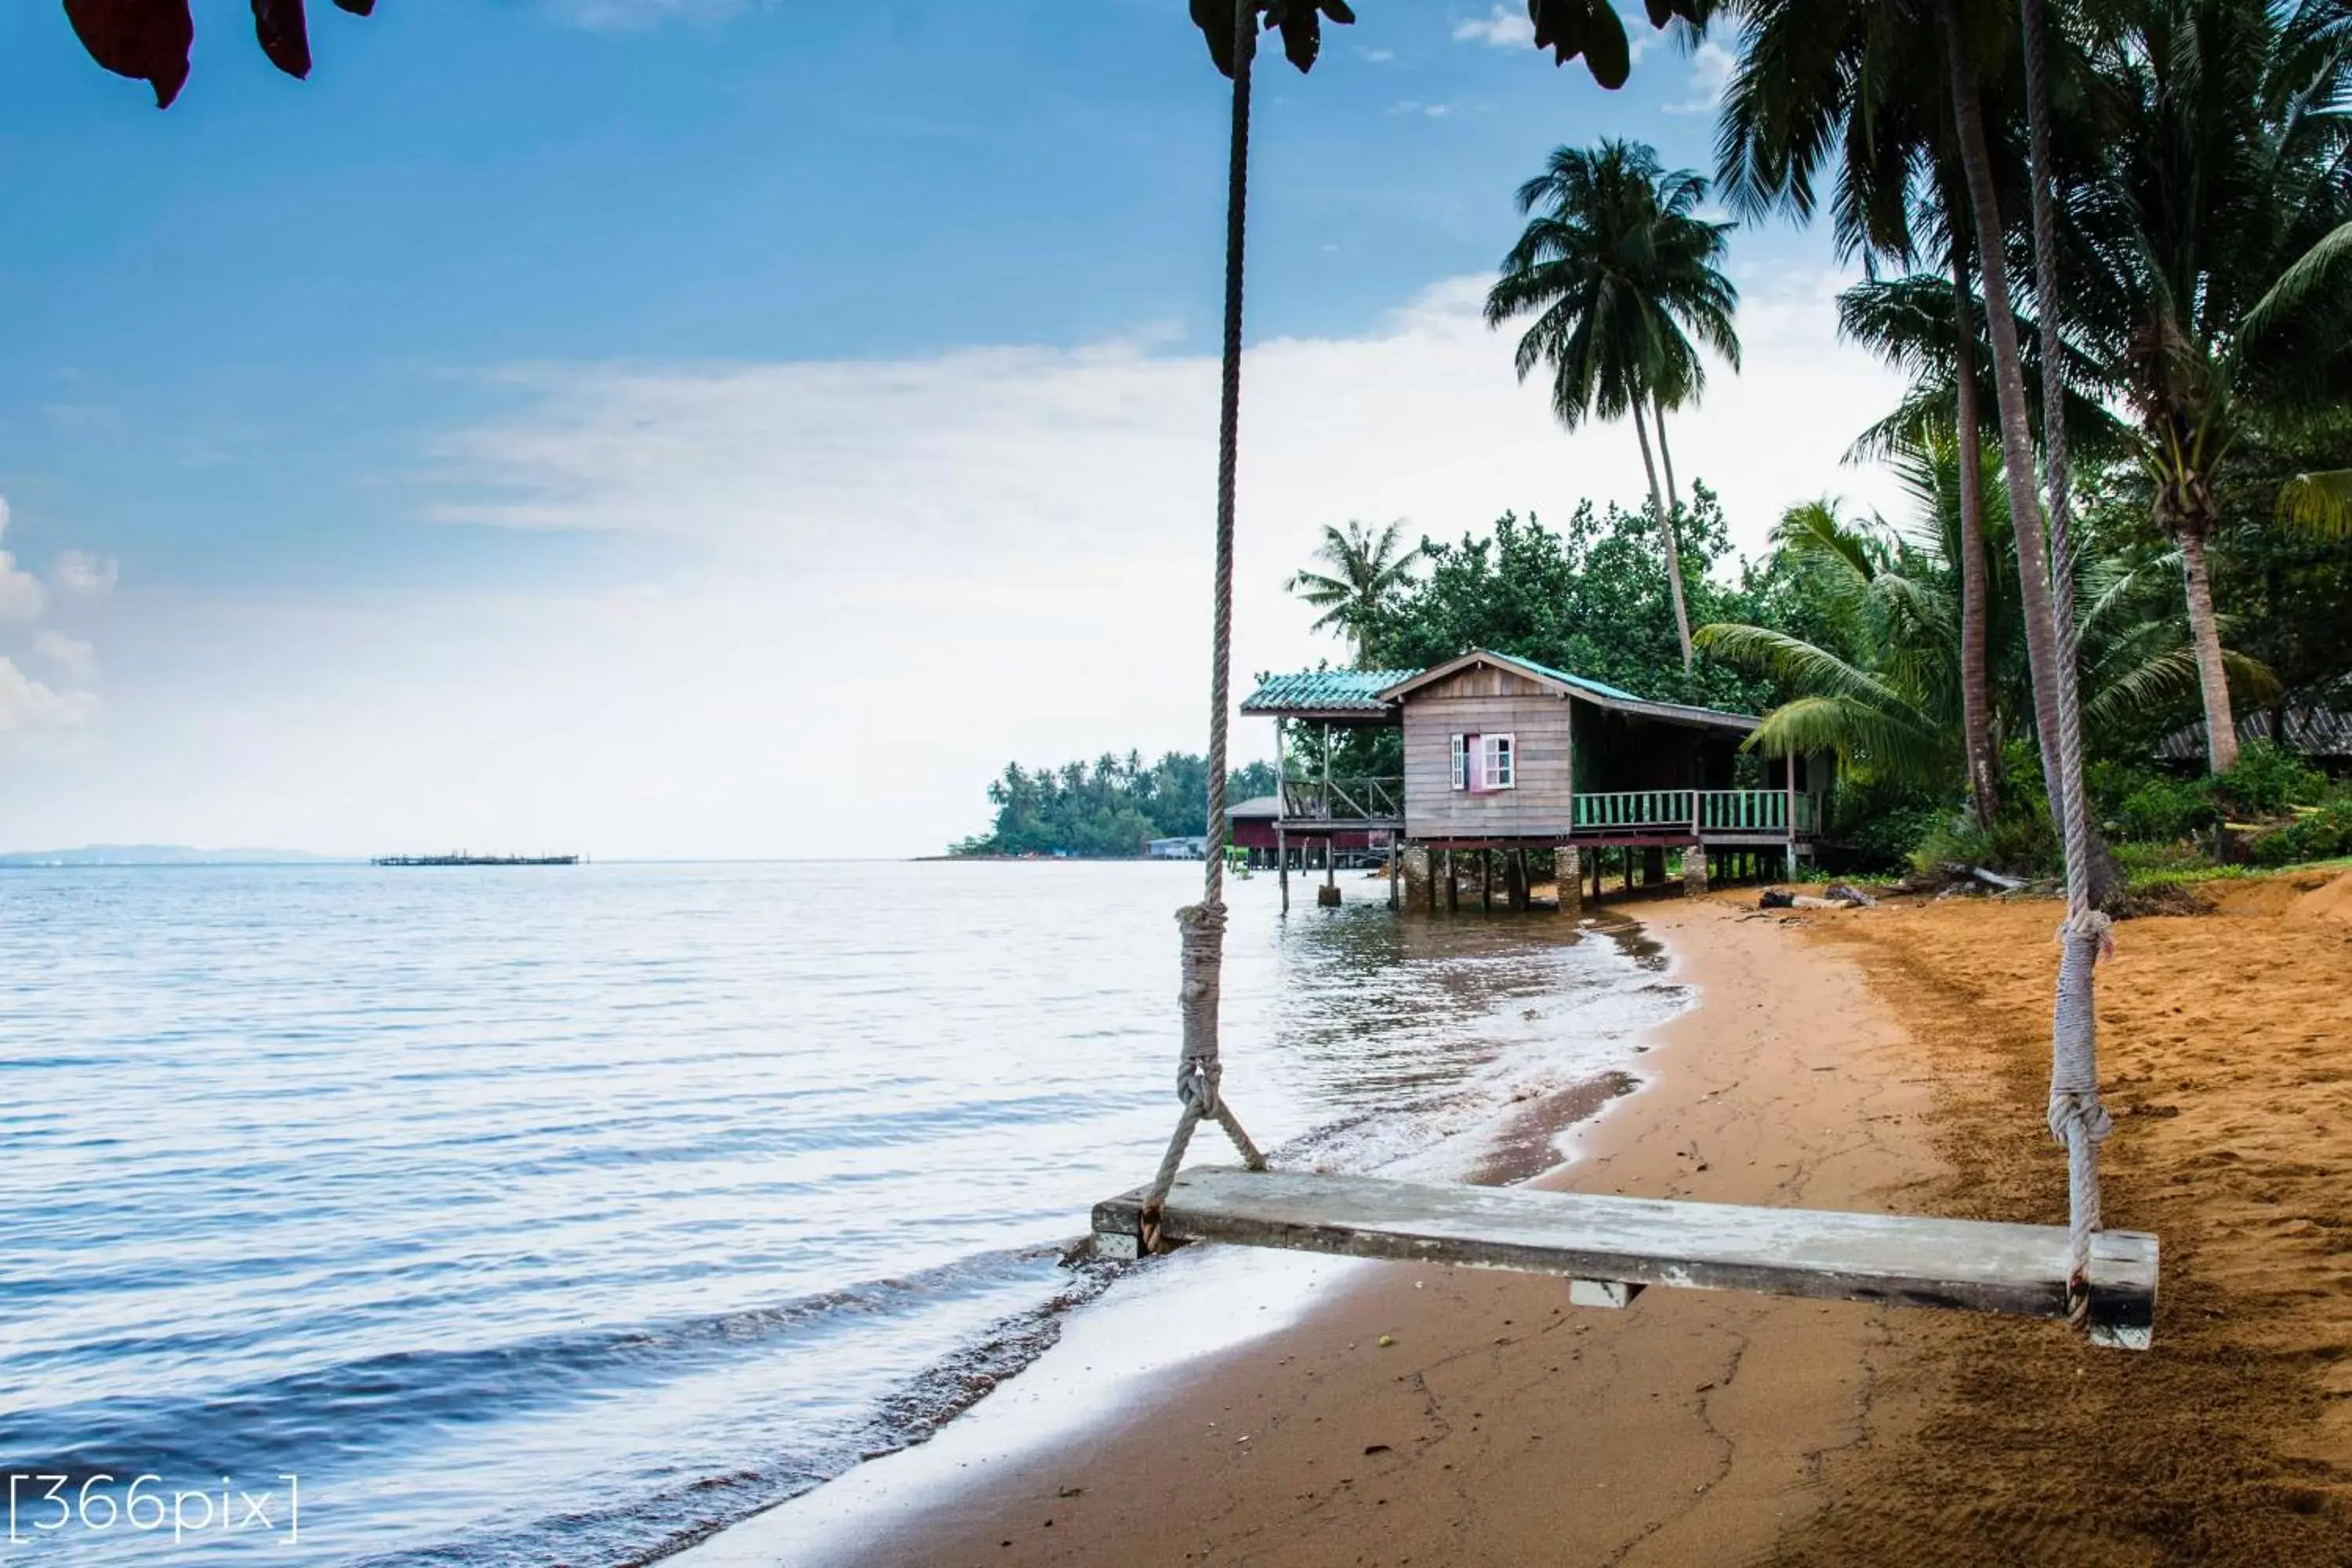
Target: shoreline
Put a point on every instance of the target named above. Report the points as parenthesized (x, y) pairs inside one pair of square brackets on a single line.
[(1443, 1414)]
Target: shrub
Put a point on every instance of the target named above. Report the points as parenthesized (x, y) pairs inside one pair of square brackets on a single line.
[(1880, 834), (2268, 779), (2324, 835), (2020, 841), (2163, 810)]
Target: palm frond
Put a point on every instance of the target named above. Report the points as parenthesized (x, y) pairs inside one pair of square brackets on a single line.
[(2320, 503)]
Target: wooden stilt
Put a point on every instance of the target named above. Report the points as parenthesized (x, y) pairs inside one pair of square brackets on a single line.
[(1453, 885), (1519, 879), (1396, 854), (1282, 864), (1486, 879)]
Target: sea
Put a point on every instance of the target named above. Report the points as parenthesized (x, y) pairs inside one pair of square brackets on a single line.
[(566, 1215)]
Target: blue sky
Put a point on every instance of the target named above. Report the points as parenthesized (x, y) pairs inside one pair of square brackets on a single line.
[(536, 425)]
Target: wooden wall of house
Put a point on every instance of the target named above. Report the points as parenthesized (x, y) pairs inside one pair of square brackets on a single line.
[(1486, 702)]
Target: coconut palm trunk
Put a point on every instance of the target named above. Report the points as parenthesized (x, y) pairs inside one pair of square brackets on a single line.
[(2041, 640), (2205, 637), (1666, 531), (1976, 682), (1666, 459)]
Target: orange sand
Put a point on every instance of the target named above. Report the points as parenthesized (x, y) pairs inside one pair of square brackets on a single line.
[(1892, 1058)]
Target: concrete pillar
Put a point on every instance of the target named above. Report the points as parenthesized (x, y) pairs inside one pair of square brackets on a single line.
[(1569, 865), (1694, 879), (1413, 861)]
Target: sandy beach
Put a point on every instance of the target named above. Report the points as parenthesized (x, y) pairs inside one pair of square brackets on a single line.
[(1887, 1058)]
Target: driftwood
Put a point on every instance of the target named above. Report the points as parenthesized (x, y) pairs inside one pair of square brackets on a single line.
[(1837, 896)]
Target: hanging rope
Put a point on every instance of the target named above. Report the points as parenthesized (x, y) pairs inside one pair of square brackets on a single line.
[(1198, 1071), (2078, 1118)]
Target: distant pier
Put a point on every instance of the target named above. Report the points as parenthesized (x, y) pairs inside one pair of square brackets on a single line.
[(462, 858)]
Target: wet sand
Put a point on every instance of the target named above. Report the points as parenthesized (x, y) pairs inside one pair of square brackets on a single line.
[(1500, 1424), (1887, 1058)]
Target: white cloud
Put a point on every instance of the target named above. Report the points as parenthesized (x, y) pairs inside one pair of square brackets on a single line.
[(72, 655), (27, 705), (20, 592), (1427, 110), (1504, 27), (1103, 450), (1008, 545), (1711, 69), (1376, 57), (85, 576)]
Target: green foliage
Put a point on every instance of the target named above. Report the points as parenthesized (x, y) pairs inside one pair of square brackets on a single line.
[(2268, 779), (1590, 598), (1110, 809), (2322, 835), (2162, 809)]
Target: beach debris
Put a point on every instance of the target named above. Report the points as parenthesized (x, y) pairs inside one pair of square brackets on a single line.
[(1376, 1448), (1836, 896), (1386, 1339), (1071, 1491)]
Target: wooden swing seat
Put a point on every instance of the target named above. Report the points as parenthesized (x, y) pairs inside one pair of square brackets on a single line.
[(1609, 1248)]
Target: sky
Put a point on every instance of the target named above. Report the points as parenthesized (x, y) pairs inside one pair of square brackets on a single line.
[(709, 428)]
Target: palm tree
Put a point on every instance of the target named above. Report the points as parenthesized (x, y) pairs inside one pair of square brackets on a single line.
[(1848, 90), (149, 40), (2048, 638), (1881, 687), (2212, 233), (1366, 573), (1619, 275)]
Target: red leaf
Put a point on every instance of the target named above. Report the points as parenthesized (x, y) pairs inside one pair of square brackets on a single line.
[(285, 35), (145, 39)]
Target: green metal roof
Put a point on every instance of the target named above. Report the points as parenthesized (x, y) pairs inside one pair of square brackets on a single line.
[(1598, 687), (1325, 691)]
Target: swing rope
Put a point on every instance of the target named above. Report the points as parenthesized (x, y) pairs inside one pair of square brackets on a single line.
[(1198, 1070), (2078, 1118)]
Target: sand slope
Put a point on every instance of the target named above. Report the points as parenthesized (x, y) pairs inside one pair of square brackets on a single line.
[(2227, 1055)]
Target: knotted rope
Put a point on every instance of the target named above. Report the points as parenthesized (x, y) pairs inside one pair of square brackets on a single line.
[(1198, 1071), (2078, 1118)]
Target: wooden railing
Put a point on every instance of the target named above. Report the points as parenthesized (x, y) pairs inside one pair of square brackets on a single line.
[(1703, 810), (1343, 800)]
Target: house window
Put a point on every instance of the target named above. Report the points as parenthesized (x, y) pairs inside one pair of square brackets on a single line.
[(1461, 745), (1499, 761)]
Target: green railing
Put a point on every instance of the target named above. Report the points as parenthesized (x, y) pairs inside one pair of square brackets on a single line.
[(1705, 810), (1634, 808)]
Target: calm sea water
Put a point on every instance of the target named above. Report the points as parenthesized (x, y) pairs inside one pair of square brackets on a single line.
[(555, 1216)]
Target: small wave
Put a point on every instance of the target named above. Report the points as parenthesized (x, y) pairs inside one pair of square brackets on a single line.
[(353, 1408), (635, 1531)]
